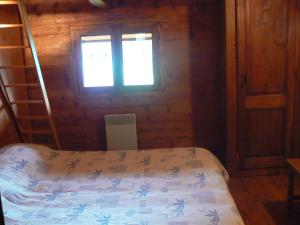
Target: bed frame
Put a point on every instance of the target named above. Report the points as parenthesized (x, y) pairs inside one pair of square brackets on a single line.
[(2, 222)]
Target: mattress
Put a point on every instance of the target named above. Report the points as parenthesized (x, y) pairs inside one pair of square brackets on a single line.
[(176, 186)]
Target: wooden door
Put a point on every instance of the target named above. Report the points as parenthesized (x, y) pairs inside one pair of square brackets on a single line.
[(265, 73)]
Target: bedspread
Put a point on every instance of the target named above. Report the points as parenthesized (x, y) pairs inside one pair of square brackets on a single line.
[(176, 186)]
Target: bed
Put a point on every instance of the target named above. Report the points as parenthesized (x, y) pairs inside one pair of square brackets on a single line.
[(176, 186)]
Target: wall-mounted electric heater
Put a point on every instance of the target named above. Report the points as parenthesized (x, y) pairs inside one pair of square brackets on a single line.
[(121, 132)]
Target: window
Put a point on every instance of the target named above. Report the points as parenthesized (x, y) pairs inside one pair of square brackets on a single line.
[(137, 59), (97, 67), (117, 59)]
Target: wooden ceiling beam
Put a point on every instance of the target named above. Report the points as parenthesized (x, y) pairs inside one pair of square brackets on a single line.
[(41, 6)]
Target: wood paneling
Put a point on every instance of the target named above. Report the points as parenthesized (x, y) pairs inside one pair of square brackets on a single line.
[(9, 14), (265, 133), (297, 99), (266, 54), (187, 110)]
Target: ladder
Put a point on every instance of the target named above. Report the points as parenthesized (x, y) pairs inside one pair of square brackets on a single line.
[(13, 104)]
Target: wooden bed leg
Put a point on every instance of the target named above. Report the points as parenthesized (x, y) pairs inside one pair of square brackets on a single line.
[(2, 222)]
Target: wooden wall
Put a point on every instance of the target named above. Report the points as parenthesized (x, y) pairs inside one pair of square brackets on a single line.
[(7, 130), (9, 14), (187, 111)]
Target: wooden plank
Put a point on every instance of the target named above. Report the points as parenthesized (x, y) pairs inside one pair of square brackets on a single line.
[(262, 200), (18, 67), (27, 102), (32, 117), (265, 102), (271, 161), (36, 131), (22, 85), (13, 47)]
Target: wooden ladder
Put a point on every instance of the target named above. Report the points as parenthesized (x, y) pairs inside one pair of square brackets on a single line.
[(39, 84)]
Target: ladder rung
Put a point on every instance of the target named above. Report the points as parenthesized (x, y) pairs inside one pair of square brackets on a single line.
[(17, 67), (36, 131), (3, 26), (8, 2), (13, 47), (32, 117), (22, 85), (28, 102)]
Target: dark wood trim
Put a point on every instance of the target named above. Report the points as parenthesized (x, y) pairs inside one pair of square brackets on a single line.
[(258, 172), (291, 79), (295, 134), (265, 162), (230, 10)]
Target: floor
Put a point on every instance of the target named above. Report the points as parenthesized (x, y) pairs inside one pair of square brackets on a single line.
[(262, 200)]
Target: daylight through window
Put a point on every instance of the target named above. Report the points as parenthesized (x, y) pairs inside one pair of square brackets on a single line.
[(118, 60)]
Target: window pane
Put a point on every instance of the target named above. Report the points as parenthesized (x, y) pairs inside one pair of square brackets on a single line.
[(137, 59), (97, 61)]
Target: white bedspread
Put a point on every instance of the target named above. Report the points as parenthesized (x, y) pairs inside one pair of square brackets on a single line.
[(180, 186)]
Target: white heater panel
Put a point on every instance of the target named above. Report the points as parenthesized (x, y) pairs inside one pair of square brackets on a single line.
[(121, 132)]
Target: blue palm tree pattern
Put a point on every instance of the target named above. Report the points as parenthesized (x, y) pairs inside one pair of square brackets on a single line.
[(201, 180), (18, 166), (115, 183), (174, 172), (177, 208), (146, 161), (33, 181), (54, 194), (44, 186), (73, 164), (104, 219), (214, 217), (144, 190), (95, 174), (77, 212)]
